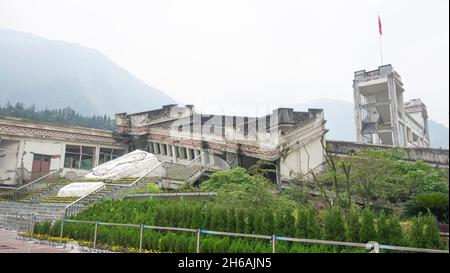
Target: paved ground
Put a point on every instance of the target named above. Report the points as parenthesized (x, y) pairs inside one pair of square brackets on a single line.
[(9, 244)]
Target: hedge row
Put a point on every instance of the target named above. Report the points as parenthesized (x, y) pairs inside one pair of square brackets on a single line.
[(333, 224)]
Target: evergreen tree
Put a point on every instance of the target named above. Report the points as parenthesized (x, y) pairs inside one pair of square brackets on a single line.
[(313, 228), (250, 227), (368, 232), (353, 225), (240, 220), (395, 235), (231, 220), (208, 217), (424, 232), (268, 222), (333, 225), (301, 223)]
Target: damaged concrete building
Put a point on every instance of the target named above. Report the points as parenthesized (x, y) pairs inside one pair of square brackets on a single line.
[(29, 149), (289, 139), (381, 115)]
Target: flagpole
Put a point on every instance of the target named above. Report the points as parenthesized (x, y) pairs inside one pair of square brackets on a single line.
[(380, 38)]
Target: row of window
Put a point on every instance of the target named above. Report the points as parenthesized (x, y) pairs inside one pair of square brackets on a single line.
[(83, 157)]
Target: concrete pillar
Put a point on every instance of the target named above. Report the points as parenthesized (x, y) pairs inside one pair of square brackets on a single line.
[(189, 154), (174, 153), (278, 169), (393, 109), (150, 147), (204, 159), (169, 150), (162, 149), (155, 148), (97, 155), (357, 109)]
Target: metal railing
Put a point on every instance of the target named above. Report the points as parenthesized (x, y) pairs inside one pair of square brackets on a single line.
[(373, 247), (171, 194), (76, 206), (19, 193), (163, 170)]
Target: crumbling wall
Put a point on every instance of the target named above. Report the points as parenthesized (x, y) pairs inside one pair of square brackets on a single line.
[(429, 155)]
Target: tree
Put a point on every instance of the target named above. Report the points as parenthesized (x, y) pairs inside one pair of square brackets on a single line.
[(250, 227), (333, 225), (353, 225), (368, 232), (301, 223), (231, 220), (434, 202), (424, 232), (268, 222), (240, 220)]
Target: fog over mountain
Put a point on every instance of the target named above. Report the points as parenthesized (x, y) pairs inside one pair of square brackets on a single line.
[(56, 74)]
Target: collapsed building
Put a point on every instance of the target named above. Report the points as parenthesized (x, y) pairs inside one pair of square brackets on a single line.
[(291, 141), (29, 149), (381, 115)]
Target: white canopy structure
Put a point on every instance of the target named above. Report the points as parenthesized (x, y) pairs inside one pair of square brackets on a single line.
[(136, 163)]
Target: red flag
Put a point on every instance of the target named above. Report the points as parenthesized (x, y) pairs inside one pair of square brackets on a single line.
[(379, 25)]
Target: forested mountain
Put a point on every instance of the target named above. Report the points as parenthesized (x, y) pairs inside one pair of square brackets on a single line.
[(55, 74), (66, 116)]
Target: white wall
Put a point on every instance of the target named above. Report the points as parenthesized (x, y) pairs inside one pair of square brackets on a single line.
[(31, 147), (297, 160), (10, 148)]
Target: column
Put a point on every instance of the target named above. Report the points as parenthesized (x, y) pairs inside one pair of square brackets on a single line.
[(150, 147), (174, 153), (156, 148), (393, 109), (357, 97), (189, 154), (161, 149), (96, 156)]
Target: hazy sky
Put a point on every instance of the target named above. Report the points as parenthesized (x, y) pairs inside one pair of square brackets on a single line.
[(255, 52)]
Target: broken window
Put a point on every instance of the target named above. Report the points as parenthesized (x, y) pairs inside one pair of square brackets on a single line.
[(79, 157), (72, 157), (107, 154)]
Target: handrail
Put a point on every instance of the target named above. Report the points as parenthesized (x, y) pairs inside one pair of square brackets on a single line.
[(137, 180), (129, 186), (32, 182), (372, 245), (84, 196)]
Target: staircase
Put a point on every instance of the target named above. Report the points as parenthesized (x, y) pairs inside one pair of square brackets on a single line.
[(42, 202), (125, 180), (103, 193), (11, 213)]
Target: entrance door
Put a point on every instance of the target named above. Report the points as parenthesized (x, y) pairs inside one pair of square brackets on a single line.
[(41, 163)]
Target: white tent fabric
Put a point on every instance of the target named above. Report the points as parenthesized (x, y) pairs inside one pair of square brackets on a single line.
[(136, 163), (78, 189)]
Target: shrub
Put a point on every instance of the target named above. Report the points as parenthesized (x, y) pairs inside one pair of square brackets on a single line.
[(435, 202), (424, 232), (367, 232), (333, 225), (353, 225)]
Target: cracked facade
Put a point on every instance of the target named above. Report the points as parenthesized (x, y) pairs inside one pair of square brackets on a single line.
[(381, 115), (289, 139), (28, 149)]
